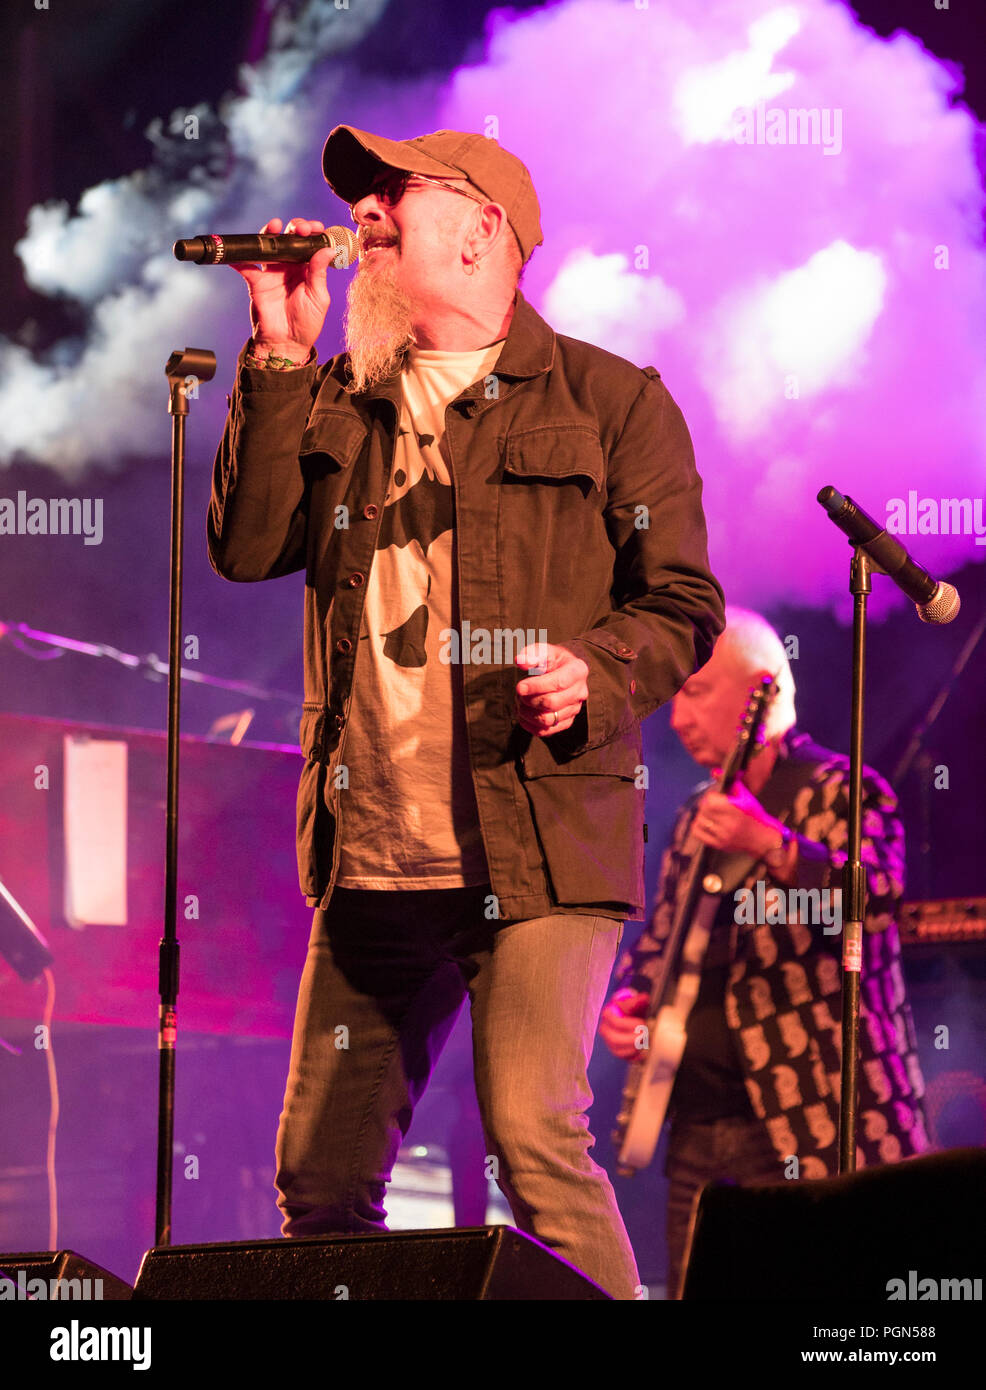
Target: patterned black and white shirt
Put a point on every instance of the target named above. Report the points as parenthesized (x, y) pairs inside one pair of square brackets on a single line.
[(783, 993)]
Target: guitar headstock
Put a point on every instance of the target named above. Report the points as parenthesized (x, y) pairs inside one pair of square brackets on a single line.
[(750, 735)]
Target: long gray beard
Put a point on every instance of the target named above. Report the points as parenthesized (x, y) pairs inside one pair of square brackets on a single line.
[(378, 327)]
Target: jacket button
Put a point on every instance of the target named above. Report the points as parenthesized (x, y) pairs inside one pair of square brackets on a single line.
[(370, 511), (344, 645), (355, 580)]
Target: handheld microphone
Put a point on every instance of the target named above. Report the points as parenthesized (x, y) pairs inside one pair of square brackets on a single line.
[(216, 249), (935, 601)]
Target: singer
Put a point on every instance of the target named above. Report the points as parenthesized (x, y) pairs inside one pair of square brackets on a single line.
[(463, 829)]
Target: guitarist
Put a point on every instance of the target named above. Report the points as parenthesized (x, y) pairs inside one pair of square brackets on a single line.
[(755, 1097)]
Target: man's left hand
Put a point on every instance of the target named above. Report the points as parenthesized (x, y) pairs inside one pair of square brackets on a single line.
[(549, 699)]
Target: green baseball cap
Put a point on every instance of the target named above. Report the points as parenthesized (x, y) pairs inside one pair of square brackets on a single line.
[(352, 158)]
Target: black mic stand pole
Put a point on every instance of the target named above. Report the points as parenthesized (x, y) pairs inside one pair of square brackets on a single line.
[(183, 369), (864, 532), (853, 872)]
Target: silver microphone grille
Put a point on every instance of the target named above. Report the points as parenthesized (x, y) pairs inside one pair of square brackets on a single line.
[(943, 606), (344, 236)]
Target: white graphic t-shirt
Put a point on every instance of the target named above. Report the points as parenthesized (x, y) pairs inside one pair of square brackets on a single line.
[(409, 817)]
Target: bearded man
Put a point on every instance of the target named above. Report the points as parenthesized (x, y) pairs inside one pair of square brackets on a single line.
[(506, 570)]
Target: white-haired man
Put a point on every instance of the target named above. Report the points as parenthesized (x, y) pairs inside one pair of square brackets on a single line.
[(755, 1097)]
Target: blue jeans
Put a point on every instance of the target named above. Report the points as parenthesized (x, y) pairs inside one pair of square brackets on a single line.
[(385, 977)]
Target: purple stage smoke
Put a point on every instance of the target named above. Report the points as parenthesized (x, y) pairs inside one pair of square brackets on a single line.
[(774, 206)]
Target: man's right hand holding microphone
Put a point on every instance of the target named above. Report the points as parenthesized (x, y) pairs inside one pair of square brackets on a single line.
[(289, 299)]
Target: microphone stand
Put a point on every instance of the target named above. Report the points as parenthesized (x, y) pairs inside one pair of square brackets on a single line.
[(183, 370), (853, 872), (935, 603)]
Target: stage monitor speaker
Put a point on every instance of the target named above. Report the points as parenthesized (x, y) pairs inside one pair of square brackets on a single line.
[(489, 1262), (44, 1275), (846, 1237)]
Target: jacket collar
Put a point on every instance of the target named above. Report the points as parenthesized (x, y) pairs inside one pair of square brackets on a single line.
[(530, 346), (528, 351)]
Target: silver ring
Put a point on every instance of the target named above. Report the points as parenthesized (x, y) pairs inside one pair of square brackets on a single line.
[(555, 720)]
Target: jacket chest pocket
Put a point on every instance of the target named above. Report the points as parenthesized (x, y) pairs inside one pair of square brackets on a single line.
[(551, 526), (331, 443), (560, 458)]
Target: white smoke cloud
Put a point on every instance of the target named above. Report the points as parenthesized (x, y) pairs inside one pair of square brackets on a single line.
[(805, 329), (101, 399), (822, 339), (601, 299), (706, 95)]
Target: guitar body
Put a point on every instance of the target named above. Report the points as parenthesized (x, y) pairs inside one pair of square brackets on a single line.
[(666, 1038)]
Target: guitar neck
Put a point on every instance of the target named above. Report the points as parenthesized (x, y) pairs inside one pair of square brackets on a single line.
[(739, 756)]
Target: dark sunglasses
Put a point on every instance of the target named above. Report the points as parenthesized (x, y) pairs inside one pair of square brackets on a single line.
[(390, 188)]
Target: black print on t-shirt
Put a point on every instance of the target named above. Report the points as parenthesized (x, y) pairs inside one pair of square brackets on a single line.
[(422, 514)]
